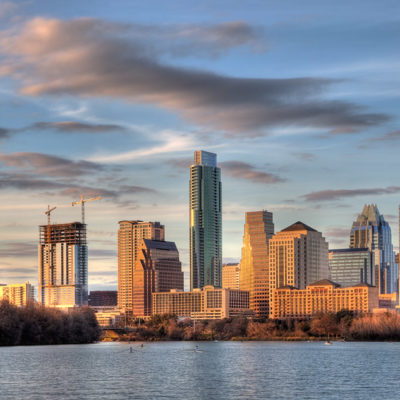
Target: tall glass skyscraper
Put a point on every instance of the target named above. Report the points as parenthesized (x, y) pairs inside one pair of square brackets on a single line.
[(205, 221), (371, 231)]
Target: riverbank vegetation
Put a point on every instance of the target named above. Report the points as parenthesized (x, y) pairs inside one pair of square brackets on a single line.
[(37, 325), (343, 325)]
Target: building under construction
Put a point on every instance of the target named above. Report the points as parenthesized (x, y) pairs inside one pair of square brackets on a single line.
[(63, 265)]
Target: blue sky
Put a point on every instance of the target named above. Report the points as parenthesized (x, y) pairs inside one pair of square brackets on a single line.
[(300, 101)]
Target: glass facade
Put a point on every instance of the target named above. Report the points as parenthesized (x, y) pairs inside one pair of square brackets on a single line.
[(371, 231), (205, 221), (350, 267)]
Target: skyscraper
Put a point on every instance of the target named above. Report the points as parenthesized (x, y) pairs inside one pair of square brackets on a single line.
[(258, 230), (63, 265), (130, 235), (297, 257), (371, 231), (205, 221), (157, 269)]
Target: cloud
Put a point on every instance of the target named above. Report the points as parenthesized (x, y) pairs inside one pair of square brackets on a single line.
[(6, 7), (135, 189), (74, 126), (181, 163), (4, 133), (17, 249), (242, 170), (391, 136), (93, 58), (44, 164), (337, 232), (326, 195), (305, 156)]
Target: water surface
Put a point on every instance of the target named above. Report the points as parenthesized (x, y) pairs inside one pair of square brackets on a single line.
[(223, 370)]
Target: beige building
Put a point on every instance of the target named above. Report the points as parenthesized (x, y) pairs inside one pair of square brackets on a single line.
[(298, 256), (130, 235), (110, 318), (17, 294), (323, 296), (258, 231), (209, 303), (230, 276)]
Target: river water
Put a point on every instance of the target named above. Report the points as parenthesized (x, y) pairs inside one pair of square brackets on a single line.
[(222, 370)]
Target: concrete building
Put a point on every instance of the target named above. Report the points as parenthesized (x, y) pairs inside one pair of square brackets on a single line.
[(298, 256), (348, 267), (371, 231), (254, 273), (130, 235), (157, 269), (103, 298), (18, 294), (323, 296), (230, 276), (63, 265), (111, 318), (205, 221), (206, 303)]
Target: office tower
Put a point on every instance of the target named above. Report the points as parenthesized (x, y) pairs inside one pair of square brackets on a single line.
[(63, 265), (103, 298), (349, 267), (231, 276), (206, 303), (130, 235), (205, 221), (17, 294), (258, 230), (323, 296), (157, 269), (371, 231), (297, 257)]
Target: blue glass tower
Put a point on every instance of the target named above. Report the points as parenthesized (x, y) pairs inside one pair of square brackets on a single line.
[(205, 221), (371, 231)]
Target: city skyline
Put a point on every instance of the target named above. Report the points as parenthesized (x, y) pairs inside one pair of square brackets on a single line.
[(223, 79)]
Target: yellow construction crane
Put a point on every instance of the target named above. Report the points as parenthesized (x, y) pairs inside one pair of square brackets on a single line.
[(83, 201), (48, 212)]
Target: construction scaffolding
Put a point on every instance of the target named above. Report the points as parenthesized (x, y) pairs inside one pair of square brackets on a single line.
[(71, 233)]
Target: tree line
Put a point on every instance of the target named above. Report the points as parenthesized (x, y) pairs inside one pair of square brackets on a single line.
[(342, 325), (38, 325)]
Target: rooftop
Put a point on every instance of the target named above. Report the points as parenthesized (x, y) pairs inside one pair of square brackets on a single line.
[(298, 226)]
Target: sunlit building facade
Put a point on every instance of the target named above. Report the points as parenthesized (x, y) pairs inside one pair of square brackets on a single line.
[(63, 265), (19, 294), (205, 213), (297, 256), (130, 235), (157, 269), (206, 303), (348, 267), (254, 272), (323, 296), (371, 231), (230, 276)]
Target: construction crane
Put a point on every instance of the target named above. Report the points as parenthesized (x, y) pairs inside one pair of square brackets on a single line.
[(48, 212), (83, 201)]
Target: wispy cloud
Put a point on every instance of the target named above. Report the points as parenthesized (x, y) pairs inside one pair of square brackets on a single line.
[(391, 136), (97, 58), (327, 195), (242, 170)]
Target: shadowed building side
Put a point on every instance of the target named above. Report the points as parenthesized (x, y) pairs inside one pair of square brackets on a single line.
[(157, 269)]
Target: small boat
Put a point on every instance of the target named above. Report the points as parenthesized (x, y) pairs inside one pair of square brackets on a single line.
[(328, 343)]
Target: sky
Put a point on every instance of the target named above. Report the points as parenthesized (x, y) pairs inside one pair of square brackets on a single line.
[(299, 100)]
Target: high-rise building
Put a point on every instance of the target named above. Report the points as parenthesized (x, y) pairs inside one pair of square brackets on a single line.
[(297, 257), (63, 265), (130, 235), (258, 230), (157, 269), (231, 276), (371, 231), (205, 221), (349, 267), (18, 294)]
